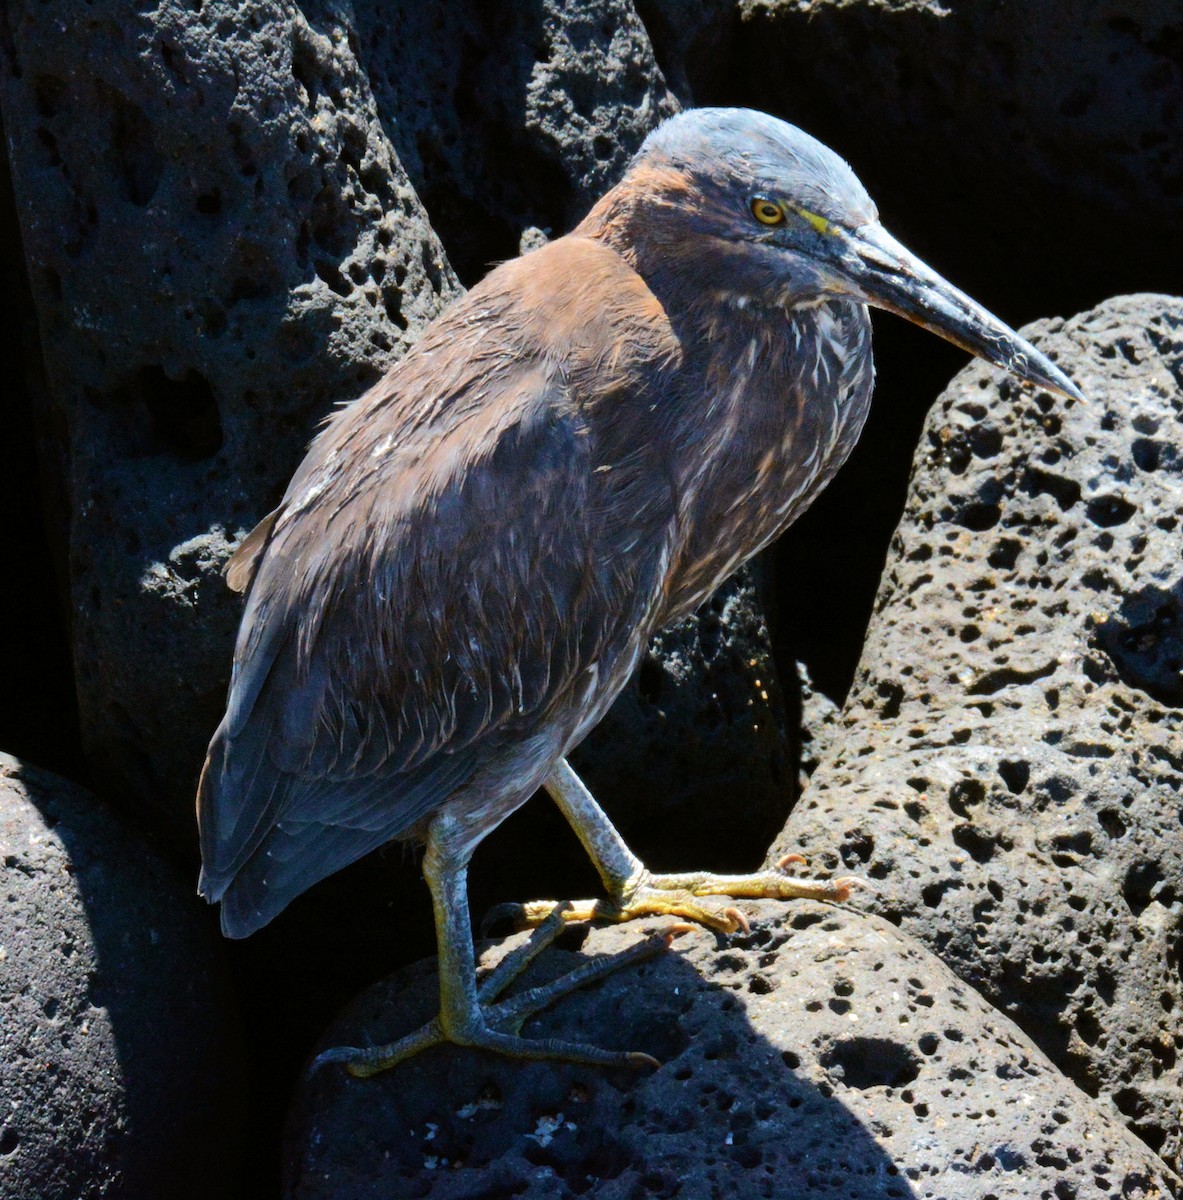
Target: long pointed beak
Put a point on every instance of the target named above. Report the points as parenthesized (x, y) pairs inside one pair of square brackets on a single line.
[(887, 275)]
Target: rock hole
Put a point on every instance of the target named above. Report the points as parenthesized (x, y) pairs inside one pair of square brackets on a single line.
[(978, 516), (1147, 454), (1065, 492), (161, 415), (138, 163), (979, 846), (986, 440), (330, 273), (1140, 881), (892, 695), (857, 848), (964, 794), (651, 679), (1107, 511), (1015, 774), (1004, 554), (1144, 641), (869, 1062), (1004, 677), (392, 302), (209, 204)]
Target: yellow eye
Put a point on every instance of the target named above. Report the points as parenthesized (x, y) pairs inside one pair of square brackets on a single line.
[(767, 212)]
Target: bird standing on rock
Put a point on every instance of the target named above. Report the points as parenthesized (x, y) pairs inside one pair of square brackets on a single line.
[(468, 564)]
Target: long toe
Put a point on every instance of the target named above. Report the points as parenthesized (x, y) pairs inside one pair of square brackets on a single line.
[(497, 1026), (642, 901), (760, 885)]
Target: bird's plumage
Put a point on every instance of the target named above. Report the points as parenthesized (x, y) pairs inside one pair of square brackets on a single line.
[(490, 544), (467, 565)]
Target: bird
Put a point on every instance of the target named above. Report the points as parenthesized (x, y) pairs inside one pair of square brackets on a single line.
[(466, 568)]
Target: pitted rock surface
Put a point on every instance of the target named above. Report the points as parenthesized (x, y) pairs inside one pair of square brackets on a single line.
[(221, 243), (120, 1059), (240, 247), (823, 1054), (1010, 768), (510, 119)]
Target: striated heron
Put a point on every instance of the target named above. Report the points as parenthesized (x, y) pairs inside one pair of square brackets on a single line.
[(468, 564)]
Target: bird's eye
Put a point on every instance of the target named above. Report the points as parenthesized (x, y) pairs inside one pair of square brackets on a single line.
[(767, 212)]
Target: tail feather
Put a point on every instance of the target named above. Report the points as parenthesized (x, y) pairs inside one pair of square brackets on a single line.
[(267, 835)]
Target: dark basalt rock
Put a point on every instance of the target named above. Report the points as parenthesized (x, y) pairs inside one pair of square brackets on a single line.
[(221, 243), (273, 256), (224, 216), (121, 1067), (825, 1053), (1010, 766), (510, 119)]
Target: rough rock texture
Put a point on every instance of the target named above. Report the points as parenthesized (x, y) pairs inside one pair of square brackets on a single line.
[(1010, 768), (824, 1054), (221, 243), (703, 718), (224, 211), (120, 1065), (510, 118)]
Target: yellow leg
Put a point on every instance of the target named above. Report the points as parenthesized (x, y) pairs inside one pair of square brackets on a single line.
[(468, 1014), (634, 891)]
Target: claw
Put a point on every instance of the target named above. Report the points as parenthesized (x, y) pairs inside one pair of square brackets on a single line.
[(679, 928), (740, 923), (338, 1054), (789, 860), (844, 886)]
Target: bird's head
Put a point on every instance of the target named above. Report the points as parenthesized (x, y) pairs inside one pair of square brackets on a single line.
[(752, 213)]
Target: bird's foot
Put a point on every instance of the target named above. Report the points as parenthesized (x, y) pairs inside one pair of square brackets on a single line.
[(682, 895), (496, 1025)]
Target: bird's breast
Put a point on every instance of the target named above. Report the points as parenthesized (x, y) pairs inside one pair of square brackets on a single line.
[(784, 402)]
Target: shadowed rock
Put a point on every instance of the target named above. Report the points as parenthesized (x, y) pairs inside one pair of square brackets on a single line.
[(824, 1052), (990, 136), (120, 1060), (221, 243)]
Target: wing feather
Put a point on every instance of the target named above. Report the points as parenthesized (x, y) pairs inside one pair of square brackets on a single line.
[(446, 565)]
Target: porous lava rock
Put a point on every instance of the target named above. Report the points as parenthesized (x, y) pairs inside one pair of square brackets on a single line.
[(510, 119), (222, 240), (823, 1053), (120, 1058), (1010, 764), (222, 192), (221, 243)]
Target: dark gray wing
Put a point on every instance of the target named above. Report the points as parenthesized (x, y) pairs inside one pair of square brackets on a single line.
[(434, 585)]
